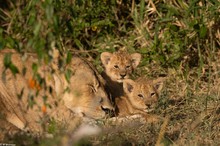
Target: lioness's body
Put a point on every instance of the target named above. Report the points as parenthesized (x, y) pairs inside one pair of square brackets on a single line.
[(53, 97)]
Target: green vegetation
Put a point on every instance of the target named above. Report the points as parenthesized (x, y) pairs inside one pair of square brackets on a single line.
[(177, 39)]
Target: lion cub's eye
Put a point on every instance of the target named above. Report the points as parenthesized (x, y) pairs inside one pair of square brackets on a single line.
[(152, 94), (116, 66), (128, 66), (140, 95)]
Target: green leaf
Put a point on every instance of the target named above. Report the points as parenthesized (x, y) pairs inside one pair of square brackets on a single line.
[(34, 68), (68, 75), (13, 69), (40, 52), (174, 28), (32, 19), (203, 32), (69, 57), (142, 9), (52, 127), (7, 60), (10, 65), (143, 50), (1, 30), (102, 23), (2, 43), (11, 41), (78, 43), (37, 28), (49, 12)]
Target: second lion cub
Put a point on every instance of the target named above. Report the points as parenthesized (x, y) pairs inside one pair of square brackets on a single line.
[(118, 67), (140, 97)]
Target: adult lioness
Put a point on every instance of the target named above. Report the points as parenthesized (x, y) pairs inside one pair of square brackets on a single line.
[(34, 95), (118, 66)]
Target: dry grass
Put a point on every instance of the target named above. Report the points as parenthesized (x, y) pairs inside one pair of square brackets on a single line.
[(189, 108)]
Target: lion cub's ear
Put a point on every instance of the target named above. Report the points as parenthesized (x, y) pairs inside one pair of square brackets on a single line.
[(158, 84), (105, 58), (128, 86), (136, 58)]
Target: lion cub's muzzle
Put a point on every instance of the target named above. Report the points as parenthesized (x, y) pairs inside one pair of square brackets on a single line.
[(150, 107)]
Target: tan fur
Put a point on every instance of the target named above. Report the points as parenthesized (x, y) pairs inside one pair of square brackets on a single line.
[(118, 67), (140, 96), (7, 130), (54, 97)]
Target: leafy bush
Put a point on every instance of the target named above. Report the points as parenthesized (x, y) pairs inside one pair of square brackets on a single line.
[(163, 32)]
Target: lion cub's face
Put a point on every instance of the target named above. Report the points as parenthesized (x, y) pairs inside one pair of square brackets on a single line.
[(142, 93), (119, 65)]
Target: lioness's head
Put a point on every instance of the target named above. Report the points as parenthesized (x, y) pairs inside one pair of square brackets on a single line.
[(142, 93), (119, 65), (87, 95)]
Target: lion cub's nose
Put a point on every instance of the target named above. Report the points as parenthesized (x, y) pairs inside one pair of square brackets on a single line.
[(148, 105), (123, 75)]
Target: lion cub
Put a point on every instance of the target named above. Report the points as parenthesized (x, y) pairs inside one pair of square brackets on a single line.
[(118, 67), (140, 97)]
